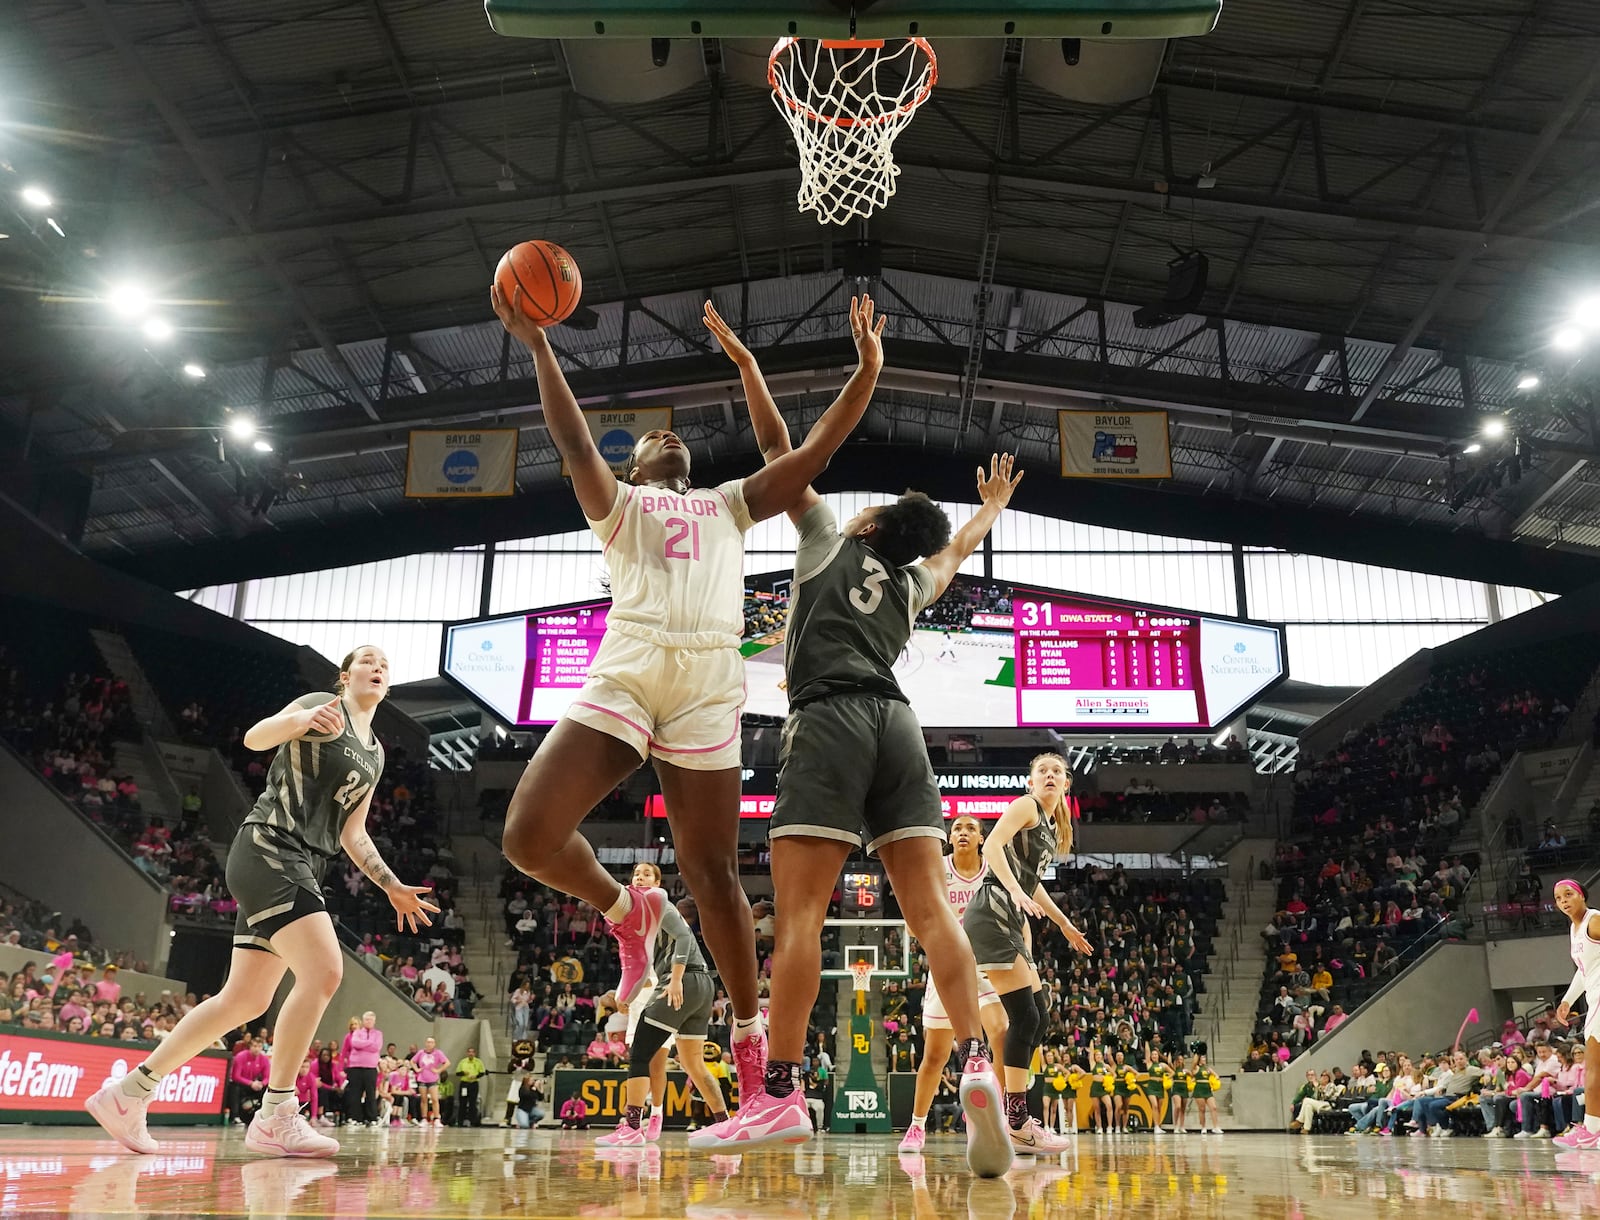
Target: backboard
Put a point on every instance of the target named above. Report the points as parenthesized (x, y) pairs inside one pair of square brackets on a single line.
[(886, 943)]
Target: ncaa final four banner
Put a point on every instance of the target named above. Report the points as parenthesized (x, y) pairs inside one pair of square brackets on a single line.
[(481, 462), (1114, 445), (616, 431)]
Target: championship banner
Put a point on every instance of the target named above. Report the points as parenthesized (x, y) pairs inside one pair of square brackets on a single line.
[(442, 464), (1114, 445), (46, 1077), (616, 432)]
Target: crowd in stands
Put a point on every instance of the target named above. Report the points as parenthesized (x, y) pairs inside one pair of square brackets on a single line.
[(1171, 753), (963, 599), (68, 992), (1527, 1085), (1367, 877), (765, 613), (1142, 800)]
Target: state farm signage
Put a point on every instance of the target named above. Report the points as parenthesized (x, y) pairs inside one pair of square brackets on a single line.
[(39, 1073), (986, 807)]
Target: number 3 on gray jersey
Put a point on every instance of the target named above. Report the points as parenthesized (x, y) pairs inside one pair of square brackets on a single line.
[(866, 599)]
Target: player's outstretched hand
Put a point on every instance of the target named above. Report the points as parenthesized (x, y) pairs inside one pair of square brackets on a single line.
[(1029, 906), (869, 338), (327, 719), (723, 333), (410, 908), (509, 311), (1075, 938), (1563, 1013), (996, 487)]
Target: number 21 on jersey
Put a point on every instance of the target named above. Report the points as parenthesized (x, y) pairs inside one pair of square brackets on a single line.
[(683, 538)]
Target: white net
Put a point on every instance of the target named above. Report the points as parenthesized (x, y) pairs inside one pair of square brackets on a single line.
[(845, 104), (861, 976)]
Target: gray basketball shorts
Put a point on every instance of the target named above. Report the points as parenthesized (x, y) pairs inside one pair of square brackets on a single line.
[(854, 768), (995, 927), (274, 881), (694, 1018)]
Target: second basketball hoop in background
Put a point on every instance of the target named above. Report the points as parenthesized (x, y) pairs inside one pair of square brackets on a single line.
[(846, 103)]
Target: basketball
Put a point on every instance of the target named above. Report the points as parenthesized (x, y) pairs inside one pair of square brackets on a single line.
[(549, 278)]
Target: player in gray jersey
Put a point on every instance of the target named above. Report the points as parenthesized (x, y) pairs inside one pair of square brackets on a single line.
[(681, 1011), (854, 771), (319, 788), (1032, 832)]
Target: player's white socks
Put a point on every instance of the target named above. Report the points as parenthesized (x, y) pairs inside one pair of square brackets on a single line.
[(621, 908), (746, 1027), (140, 1083), (920, 1123), (1591, 1122)]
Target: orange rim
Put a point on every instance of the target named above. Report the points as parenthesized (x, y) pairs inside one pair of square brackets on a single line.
[(784, 45)]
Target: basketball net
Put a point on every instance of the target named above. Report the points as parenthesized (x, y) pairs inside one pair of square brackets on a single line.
[(861, 979), (845, 103)]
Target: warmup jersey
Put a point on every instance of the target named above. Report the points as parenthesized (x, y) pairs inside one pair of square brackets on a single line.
[(850, 616), (961, 890), (677, 564), (1029, 851), (676, 943), (314, 785)]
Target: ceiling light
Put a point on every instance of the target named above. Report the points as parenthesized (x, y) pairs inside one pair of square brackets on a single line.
[(128, 301), (51, 221), (1494, 428), (194, 370), (1472, 448), (1528, 381), (1567, 339), (241, 427), (1586, 313), (36, 197), (262, 446), (158, 330)]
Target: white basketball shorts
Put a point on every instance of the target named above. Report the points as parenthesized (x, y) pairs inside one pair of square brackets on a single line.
[(933, 1013)]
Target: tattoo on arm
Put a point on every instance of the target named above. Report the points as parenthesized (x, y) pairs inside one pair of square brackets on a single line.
[(371, 863)]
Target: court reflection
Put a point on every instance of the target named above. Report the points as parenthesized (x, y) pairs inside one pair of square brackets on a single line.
[(441, 1174)]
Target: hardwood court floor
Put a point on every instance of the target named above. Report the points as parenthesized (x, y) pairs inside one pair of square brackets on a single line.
[(441, 1174)]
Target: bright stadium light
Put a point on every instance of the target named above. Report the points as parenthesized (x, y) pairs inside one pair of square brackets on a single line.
[(1528, 381), (241, 427), (1472, 448), (1494, 428), (1567, 339), (1586, 313), (36, 197), (158, 330), (194, 370), (128, 301), (262, 446)]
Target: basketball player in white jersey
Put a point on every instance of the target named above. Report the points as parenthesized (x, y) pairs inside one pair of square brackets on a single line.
[(667, 683), (1574, 904), (964, 870)]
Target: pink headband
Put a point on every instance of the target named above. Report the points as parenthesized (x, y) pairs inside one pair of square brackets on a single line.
[(1572, 883)]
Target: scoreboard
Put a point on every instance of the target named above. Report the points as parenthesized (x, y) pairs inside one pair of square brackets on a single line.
[(1028, 658)]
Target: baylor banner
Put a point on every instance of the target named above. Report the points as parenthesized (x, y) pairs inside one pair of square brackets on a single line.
[(861, 1103), (462, 463), (1114, 445), (616, 432)]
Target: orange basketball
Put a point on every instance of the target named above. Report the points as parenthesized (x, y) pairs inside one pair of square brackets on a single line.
[(548, 276)]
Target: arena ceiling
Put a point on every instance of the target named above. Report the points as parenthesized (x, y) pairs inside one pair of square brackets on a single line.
[(1399, 199)]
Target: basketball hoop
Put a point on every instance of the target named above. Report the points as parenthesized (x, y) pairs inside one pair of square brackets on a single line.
[(845, 103), (861, 980)]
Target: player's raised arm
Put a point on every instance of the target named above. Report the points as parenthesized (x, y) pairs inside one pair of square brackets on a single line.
[(592, 480), (772, 434), (780, 486), (994, 493)]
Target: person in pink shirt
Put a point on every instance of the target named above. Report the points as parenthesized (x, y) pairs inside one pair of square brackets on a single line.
[(248, 1078), (431, 1063), (305, 1088), (360, 1052), (108, 988), (1338, 1018), (401, 1091)]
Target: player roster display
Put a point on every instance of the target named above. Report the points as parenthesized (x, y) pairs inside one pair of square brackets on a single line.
[(1091, 665)]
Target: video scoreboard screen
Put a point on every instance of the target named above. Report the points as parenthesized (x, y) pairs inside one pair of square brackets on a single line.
[(988, 655)]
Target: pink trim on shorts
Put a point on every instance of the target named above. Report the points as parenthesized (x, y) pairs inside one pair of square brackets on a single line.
[(621, 516), (595, 707), (738, 713)]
